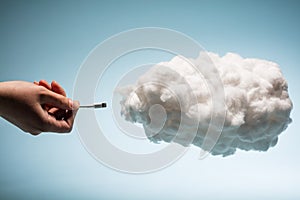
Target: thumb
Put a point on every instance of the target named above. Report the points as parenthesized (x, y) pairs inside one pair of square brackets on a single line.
[(57, 100)]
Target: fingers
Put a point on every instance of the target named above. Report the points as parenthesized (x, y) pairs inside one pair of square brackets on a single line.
[(45, 84), (65, 125), (56, 100), (59, 114), (71, 114), (62, 111), (57, 88)]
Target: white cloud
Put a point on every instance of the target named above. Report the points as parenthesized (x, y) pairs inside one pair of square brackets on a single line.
[(257, 102)]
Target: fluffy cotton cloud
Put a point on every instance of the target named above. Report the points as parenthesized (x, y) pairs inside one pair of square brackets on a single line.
[(174, 95)]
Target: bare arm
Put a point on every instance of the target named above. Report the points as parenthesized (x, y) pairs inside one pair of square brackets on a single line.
[(25, 105)]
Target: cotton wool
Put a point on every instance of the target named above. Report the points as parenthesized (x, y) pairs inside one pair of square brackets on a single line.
[(176, 95)]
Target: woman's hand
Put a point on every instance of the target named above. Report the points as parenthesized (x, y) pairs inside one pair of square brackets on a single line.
[(55, 87), (37, 109)]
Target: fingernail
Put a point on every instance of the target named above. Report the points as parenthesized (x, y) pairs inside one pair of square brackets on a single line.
[(76, 105)]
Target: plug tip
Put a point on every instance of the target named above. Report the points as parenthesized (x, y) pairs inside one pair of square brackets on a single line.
[(100, 105)]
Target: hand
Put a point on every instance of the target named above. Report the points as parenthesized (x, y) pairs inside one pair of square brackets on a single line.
[(55, 87), (37, 109)]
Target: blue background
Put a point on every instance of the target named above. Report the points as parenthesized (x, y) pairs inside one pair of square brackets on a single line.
[(50, 39)]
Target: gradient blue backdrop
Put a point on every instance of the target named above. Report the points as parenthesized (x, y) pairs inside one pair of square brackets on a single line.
[(50, 39)]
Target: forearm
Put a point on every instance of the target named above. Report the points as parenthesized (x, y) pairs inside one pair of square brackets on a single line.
[(2, 97), (6, 91)]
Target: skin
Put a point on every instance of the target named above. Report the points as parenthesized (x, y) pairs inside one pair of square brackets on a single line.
[(38, 107)]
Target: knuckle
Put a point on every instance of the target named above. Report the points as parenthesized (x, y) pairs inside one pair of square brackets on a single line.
[(32, 132), (43, 93), (35, 133), (68, 130)]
